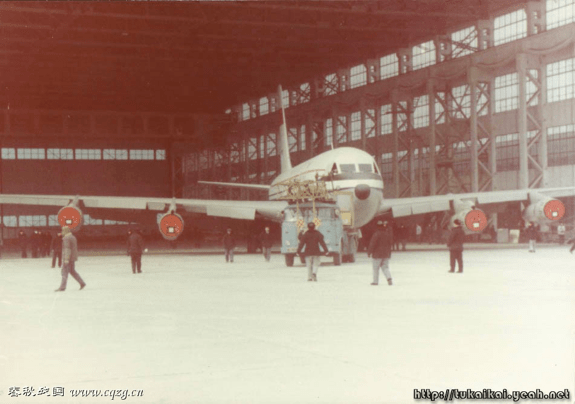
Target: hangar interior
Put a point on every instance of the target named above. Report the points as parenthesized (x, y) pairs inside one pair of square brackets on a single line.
[(145, 99)]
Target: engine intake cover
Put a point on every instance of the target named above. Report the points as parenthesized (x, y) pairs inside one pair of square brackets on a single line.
[(171, 226), (70, 216), (475, 220), (554, 210)]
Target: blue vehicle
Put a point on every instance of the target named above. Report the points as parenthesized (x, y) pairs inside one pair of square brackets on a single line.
[(341, 242)]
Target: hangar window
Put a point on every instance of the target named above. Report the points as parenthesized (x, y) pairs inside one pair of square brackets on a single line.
[(285, 98), (60, 154), (355, 126), (369, 123), (31, 154), (271, 144), (88, 154), (160, 154), (506, 93), (113, 154), (507, 151), (331, 84), (8, 153), (10, 221), (561, 145), (387, 166), (264, 106), (341, 128), (32, 220), (561, 80), (358, 76), (329, 132), (53, 220), (421, 112), (91, 221), (461, 102), (464, 42), (389, 66), (510, 27), (302, 144), (141, 154), (423, 55), (386, 119), (245, 111), (559, 12)]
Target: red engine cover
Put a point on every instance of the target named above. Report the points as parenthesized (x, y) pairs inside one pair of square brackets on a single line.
[(171, 226), (475, 220), (554, 210), (71, 217)]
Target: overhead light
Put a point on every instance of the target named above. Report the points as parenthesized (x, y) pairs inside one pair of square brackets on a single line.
[(125, 34)]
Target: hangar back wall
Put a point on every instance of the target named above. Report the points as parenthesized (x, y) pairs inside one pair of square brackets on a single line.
[(88, 153)]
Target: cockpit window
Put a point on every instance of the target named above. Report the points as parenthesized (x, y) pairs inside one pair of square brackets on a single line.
[(347, 168), (365, 168)]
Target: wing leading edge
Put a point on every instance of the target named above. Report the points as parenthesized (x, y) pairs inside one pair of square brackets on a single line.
[(230, 209), (400, 207)]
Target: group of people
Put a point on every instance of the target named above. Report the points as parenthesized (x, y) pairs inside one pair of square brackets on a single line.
[(41, 244), (312, 246)]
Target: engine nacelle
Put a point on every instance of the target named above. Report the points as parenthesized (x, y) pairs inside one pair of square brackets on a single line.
[(473, 220), (72, 217), (171, 225), (544, 211)]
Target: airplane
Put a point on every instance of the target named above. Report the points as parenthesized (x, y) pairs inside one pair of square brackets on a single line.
[(350, 173)]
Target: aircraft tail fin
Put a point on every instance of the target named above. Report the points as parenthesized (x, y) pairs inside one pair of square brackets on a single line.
[(283, 145)]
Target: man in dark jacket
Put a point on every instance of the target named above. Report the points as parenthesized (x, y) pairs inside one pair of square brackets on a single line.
[(531, 233), (23, 239), (455, 244), (266, 241), (229, 245), (380, 251), (312, 240), (56, 248), (135, 249)]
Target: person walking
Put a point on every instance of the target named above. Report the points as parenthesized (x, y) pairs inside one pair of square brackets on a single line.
[(531, 233), (56, 248), (312, 240), (229, 245), (135, 249), (380, 251), (266, 242), (70, 256), (455, 244)]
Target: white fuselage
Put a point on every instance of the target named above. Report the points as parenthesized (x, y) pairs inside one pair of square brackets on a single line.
[(342, 170)]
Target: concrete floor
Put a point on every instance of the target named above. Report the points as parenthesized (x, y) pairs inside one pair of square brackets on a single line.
[(193, 329)]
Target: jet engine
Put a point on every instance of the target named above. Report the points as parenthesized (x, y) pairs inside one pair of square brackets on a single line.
[(71, 216), (473, 220), (171, 225), (543, 210)]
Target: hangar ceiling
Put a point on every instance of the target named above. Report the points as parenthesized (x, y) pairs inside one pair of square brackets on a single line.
[(201, 56)]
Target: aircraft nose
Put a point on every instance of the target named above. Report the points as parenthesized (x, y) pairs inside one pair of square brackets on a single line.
[(362, 191)]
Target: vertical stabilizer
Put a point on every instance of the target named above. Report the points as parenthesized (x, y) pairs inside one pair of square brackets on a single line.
[(283, 144)]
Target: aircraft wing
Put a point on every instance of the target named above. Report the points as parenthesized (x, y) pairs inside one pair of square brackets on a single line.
[(231, 209), (256, 187), (400, 207)]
